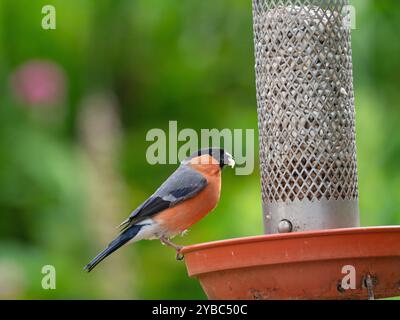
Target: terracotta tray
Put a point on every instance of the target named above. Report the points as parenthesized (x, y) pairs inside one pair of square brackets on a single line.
[(304, 265)]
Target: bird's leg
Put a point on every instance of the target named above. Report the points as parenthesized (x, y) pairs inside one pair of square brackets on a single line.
[(167, 242)]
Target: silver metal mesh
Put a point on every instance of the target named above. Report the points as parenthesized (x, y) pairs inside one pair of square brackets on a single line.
[(306, 113)]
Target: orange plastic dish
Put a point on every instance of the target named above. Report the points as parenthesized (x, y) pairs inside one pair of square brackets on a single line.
[(303, 265)]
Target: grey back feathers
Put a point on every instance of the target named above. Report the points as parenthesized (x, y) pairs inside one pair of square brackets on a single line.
[(183, 184)]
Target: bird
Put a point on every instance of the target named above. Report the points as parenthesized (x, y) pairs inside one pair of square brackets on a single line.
[(187, 196)]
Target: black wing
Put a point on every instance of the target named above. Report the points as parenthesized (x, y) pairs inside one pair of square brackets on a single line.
[(183, 184)]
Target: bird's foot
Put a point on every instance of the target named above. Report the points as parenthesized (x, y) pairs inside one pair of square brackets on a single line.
[(179, 256), (178, 248)]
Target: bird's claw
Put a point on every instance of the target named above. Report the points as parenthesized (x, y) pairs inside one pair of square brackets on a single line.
[(179, 255)]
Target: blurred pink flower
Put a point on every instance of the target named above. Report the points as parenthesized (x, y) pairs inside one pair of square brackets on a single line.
[(39, 82)]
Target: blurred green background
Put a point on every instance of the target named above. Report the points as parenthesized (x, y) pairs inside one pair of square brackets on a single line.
[(76, 104)]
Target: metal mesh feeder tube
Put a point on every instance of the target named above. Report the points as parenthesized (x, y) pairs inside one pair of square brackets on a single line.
[(306, 115), (309, 172)]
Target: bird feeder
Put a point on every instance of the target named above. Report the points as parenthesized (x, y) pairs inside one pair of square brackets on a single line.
[(308, 169)]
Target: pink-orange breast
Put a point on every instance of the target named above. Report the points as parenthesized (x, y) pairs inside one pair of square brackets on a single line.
[(187, 213)]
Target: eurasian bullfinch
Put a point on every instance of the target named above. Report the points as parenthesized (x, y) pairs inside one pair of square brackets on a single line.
[(187, 196)]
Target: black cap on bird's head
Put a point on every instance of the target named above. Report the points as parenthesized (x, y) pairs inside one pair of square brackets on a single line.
[(223, 158)]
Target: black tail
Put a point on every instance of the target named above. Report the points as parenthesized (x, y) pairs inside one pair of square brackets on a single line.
[(113, 246)]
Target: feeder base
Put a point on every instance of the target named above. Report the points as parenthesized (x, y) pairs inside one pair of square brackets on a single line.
[(329, 264)]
